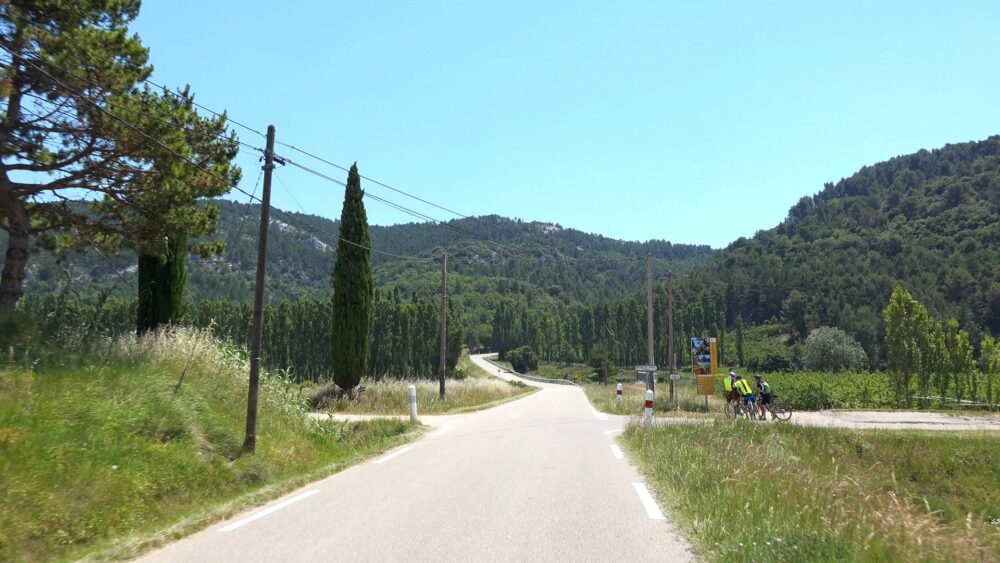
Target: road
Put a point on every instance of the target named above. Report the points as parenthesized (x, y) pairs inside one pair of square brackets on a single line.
[(537, 479)]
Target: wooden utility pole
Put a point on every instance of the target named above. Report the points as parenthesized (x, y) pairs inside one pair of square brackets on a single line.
[(651, 376), (670, 330), (444, 323), (257, 330)]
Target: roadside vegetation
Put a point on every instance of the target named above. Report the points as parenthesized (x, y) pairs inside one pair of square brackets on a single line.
[(747, 492), (477, 390), (111, 446)]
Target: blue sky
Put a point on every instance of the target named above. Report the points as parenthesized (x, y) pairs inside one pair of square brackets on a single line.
[(694, 122)]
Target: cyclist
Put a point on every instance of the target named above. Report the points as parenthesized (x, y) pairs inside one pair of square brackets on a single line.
[(732, 395), (747, 392), (766, 398)]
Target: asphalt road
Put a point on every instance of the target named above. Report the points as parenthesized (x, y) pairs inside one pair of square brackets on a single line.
[(537, 479)]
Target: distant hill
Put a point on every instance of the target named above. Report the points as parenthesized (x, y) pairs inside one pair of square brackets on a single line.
[(929, 221), (490, 258)]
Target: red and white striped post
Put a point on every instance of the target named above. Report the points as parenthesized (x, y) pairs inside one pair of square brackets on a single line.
[(618, 393), (649, 408)]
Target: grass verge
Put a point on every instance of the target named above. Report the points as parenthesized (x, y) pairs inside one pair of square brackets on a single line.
[(749, 492), (389, 396), (688, 404), (109, 446)]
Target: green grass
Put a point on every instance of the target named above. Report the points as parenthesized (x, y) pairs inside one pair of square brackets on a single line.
[(575, 373), (390, 396), (688, 404), (747, 492), (101, 447)]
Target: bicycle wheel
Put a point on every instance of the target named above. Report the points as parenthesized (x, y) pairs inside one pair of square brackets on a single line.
[(781, 411), (730, 412)]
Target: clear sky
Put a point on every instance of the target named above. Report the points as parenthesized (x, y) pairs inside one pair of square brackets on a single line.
[(694, 122)]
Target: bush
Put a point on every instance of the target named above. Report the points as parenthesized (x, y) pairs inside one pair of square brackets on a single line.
[(832, 349), (772, 360), (523, 359)]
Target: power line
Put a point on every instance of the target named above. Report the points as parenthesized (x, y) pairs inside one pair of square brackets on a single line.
[(149, 81), (191, 162)]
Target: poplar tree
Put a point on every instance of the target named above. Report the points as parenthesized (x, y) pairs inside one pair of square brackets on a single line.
[(906, 323), (352, 289)]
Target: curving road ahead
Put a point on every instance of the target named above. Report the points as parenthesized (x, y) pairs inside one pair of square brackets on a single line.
[(537, 479)]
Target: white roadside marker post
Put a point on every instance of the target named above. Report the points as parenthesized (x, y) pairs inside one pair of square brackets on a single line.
[(649, 409), (618, 393), (413, 402)]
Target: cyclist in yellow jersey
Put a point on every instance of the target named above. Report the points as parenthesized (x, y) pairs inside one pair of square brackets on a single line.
[(732, 395), (749, 398)]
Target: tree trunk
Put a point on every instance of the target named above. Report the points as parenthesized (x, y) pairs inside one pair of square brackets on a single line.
[(18, 250)]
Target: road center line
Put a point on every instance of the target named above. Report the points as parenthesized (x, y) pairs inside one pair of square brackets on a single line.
[(266, 511), (401, 451), (617, 451), (648, 503)]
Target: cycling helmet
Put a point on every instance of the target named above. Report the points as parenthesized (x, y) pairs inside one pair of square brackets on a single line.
[(732, 373)]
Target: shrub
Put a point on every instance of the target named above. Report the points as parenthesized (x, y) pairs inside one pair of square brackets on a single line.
[(523, 359), (832, 349)]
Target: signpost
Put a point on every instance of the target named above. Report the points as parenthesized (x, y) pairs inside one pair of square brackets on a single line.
[(704, 355)]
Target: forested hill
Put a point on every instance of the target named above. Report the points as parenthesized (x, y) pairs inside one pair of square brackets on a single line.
[(539, 263), (929, 221)]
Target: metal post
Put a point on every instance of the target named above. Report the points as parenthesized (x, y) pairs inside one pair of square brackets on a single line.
[(413, 402), (257, 330), (444, 322), (651, 378)]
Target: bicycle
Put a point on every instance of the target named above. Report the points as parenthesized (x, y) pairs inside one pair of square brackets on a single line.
[(779, 411), (736, 409)]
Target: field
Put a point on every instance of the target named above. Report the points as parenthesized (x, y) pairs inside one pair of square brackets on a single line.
[(107, 449), (747, 492)]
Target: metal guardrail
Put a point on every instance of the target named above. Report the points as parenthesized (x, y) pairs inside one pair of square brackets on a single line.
[(531, 377)]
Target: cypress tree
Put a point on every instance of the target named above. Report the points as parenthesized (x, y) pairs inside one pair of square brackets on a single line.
[(161, 286), (352, 289)]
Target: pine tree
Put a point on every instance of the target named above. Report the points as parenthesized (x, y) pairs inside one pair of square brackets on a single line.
[(352, 289)]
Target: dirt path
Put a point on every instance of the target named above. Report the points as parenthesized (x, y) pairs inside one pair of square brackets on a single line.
[(896, 419)]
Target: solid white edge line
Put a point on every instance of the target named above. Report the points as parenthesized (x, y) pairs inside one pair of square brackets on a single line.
[(599, 415), (648, 503), (610, 432), (266, 511), (617, 451), (386, 458)]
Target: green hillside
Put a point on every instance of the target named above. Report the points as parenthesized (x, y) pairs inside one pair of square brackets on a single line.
[(929, 221)]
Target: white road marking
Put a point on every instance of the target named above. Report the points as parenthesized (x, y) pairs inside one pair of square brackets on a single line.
[(394, 454), (599, 415), (648, 503), (610, 432), (617, 451), (266, 511), (440, 431)]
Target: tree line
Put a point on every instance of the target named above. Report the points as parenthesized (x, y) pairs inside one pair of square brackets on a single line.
[(402, 343)]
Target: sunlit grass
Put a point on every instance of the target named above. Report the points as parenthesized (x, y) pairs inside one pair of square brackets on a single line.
[(748, 492), (389, 396), (109, 445), (633, 401)]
